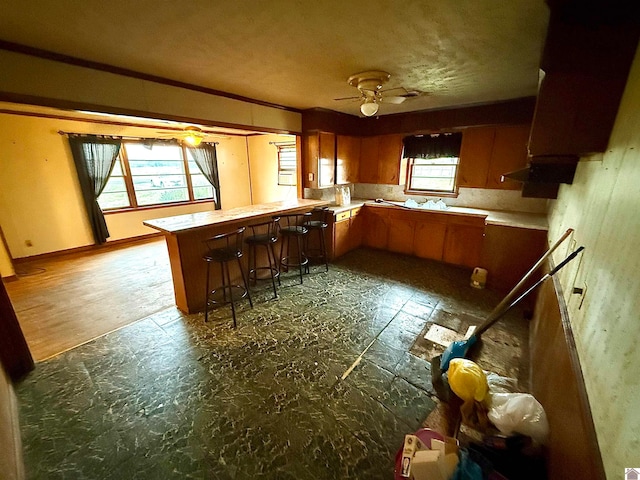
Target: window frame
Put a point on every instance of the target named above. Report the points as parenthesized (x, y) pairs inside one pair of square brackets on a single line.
[(287, 171), (430, 192), (131, 192)]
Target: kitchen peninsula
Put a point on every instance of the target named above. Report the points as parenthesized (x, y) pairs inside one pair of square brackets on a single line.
[(185, 235)]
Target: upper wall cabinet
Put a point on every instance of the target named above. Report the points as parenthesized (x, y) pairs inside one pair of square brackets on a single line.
[(586, 61), (319, 159), (487, 153), (380, 159), (348, 159)]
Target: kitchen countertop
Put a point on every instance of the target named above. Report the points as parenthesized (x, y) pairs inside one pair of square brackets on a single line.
[(191, 221), (533, 221)]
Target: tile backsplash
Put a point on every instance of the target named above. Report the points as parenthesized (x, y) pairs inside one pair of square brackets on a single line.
[(489, 199)]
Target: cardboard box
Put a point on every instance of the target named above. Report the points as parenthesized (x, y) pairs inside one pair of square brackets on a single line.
[(437, 461), (412, 444)]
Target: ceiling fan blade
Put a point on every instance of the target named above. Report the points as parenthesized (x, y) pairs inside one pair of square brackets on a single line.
[(393, 100), (400, 91), (347, 98)]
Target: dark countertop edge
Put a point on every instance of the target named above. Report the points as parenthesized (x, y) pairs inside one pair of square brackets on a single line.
[(527, 220)]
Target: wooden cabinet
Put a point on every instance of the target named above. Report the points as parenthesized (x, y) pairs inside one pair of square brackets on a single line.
[(347, 159), (341, 237), (389, 157), (475, 156), (380, 159), (376, 229), (347, 232), (319, 159), (429, 236), (463, 241), (586, 65), (487, 153), (368, 168), (401, 228), (509, 153), (509, 252), (356, 228), (451, 238)]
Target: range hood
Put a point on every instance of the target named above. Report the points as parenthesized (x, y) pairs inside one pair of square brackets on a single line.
[(544, 174)]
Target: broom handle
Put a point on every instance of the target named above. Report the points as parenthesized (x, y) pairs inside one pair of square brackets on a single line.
[(487, 324), (506, 301)]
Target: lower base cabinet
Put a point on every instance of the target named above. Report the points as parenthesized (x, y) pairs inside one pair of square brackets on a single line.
[(463, 243), (451, 238), (347, 232), (506, 252)]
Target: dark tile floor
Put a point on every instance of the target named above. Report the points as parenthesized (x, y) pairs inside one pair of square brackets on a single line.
[(172, 397)]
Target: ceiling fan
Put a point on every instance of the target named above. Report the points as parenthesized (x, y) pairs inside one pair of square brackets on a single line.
[(190, 135), (370, 84)]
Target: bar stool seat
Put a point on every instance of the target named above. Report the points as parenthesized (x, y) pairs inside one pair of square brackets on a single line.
[(292, 229), (224, 249), (264, 235), (318, 223)]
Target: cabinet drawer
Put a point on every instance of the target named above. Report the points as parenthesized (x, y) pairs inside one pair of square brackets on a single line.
[(343, 215), (355, 211)]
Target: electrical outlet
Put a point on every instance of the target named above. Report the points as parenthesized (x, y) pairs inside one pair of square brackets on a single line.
[(28, 243)]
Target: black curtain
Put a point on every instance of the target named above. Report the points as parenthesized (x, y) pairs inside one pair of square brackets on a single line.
[(95, 158), (206, 158), (426, 146)]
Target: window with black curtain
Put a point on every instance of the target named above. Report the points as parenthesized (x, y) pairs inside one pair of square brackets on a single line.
[(432, 162)]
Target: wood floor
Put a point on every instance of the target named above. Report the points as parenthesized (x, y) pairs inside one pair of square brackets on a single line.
[(65, 301)]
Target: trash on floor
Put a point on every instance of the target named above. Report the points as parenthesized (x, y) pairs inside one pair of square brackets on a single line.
[(427, 455)]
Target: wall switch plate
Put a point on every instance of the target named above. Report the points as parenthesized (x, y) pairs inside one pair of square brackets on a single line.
[(311, 176)]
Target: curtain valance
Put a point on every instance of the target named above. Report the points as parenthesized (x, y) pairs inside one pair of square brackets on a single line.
[(427, 146)]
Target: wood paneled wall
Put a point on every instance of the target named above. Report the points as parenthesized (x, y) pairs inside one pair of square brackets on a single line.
[(511, 112), (557, 383)]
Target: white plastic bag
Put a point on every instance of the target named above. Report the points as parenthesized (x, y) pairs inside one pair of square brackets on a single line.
[(521, 413)]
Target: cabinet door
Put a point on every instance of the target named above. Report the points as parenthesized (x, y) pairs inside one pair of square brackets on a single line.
[(375, 227), (347, 159), (356, 227), (509, 154), (401, 227), (326, 159), (509, 252), (368, 167), (428, 239), (389, 153), (463, 245), (311, 150), (475, 156), (340, 238)]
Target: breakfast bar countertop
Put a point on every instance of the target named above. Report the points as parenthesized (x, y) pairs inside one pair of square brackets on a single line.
[(533, 221), (192, 221)]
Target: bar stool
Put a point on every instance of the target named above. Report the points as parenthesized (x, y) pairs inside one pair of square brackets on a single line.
[(291, 227), (318, 222), (264, 235), (223, 249)]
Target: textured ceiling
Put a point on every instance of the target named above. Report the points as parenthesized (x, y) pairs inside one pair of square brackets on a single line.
[(300, 53)]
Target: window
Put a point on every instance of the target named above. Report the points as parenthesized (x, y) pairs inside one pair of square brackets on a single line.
[(287, 164), (432, 162), (432, 174), (157, 174)]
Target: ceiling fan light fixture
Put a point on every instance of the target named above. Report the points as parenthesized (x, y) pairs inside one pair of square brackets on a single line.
[(369, 107), (193, 136)]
